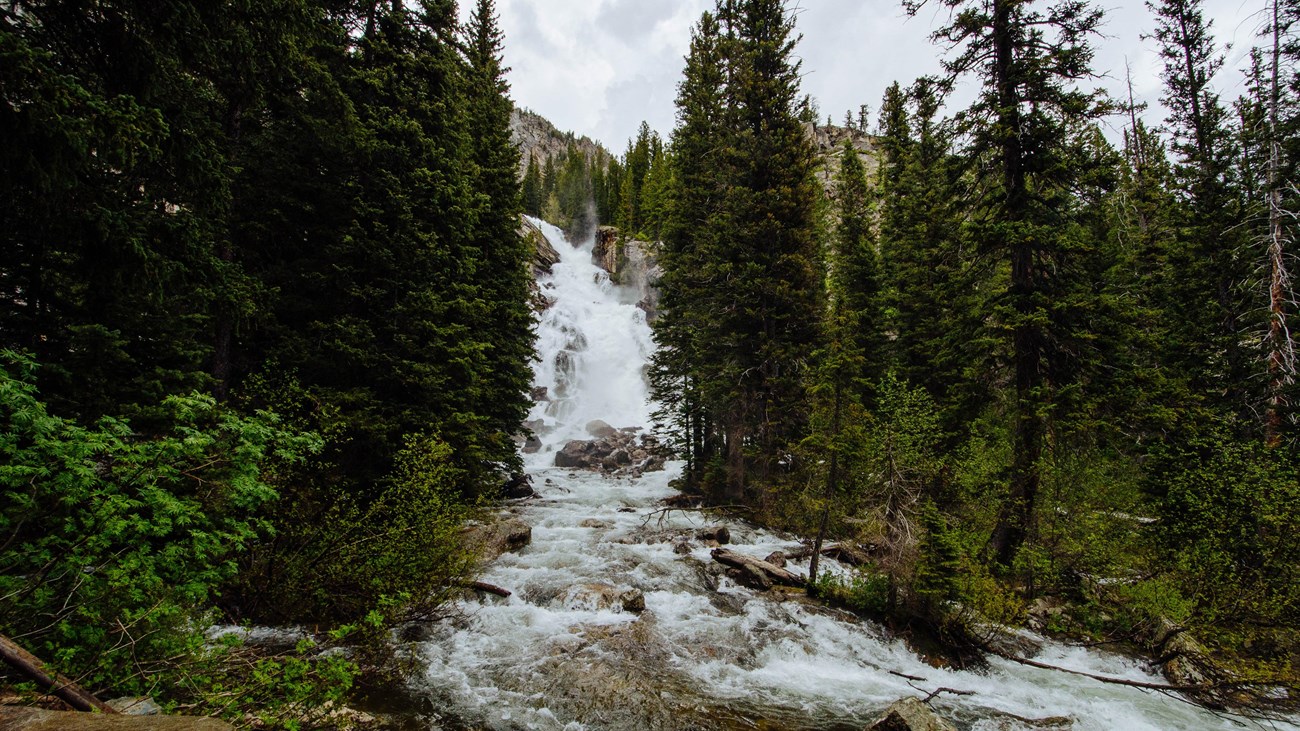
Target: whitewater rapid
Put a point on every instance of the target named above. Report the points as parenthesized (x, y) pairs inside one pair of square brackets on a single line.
[(705, 653)]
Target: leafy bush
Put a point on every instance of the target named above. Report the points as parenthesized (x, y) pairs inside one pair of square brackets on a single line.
[(340, 554), (111, 543)]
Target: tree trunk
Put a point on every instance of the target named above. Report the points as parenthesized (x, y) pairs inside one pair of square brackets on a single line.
[(1027, 435), (47, 680), (832, 486), (1281, 355)]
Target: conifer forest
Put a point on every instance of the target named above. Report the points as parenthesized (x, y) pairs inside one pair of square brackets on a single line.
[(339, 391)]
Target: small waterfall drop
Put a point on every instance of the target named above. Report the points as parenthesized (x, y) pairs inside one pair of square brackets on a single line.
[(565, 653)]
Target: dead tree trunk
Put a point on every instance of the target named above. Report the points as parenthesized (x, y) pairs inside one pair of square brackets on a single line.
[(48, 680)]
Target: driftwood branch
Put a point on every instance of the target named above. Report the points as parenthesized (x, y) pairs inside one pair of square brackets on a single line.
[(489, 588), (842, 552), (48, 680), (1163, 687), (939, 691)]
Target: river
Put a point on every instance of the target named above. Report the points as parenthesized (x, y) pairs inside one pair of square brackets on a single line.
[(705, 653)]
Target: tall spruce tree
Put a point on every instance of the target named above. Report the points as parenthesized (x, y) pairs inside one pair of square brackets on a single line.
[(687, 289), (502, 256), (1028, 60), (1207, 269), (763, 253)]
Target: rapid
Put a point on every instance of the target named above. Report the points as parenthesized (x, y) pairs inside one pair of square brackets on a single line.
[(705, 653)]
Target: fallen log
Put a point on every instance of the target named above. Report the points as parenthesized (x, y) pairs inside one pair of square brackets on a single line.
[(48, 680), (841, 552), (775, 574), (489, 588)]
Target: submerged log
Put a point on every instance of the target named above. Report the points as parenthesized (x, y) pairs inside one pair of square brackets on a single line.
[(773, 573), (48, 680), (489, 588)]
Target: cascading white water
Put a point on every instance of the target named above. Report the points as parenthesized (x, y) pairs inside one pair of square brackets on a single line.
[(705, 653), (593, 349)]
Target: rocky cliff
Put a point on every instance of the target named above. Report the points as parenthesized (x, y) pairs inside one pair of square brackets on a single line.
[(544, 257), (631, 263), (537, 137), (830, 140)]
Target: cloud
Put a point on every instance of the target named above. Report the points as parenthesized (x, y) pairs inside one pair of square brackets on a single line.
[(600, 67)]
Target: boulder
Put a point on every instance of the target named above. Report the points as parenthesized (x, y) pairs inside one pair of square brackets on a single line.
[(910, 714), (518, 487), (593, 523), (633, 600), (600, 429), (653, 464), (776, 558), (751, 577), (539, 393), (532, 445), (19, 718), (502, 536), (595, 597), (133, 706), (576, 453), (717, 533)]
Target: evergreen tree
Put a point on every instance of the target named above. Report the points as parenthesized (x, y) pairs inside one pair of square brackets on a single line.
[(856, 278), (760, 246), (501, 256), (1027, 60), (532, 189), (1203, 298), (687, 289)]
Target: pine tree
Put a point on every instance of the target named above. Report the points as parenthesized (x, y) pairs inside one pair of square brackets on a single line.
[(502, 257), (532, 188), (855, 267), (1028, 61), (1206, 269), (687, 288)]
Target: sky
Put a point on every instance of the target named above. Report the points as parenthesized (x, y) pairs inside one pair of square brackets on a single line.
[(600, 67)]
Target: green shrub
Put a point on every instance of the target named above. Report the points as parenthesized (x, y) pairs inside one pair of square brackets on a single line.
[(112, 544)]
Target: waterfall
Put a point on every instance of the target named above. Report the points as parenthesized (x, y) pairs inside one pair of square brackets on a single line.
[(593, 345), (563, 652)]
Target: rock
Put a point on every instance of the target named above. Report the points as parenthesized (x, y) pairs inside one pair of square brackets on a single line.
[(532, 445), (633, 600), (682, 548), (1046, 612), (717, 533), (130, 706), (1009, 641), (594, 597), (539, 393), (910, 714), (600, 429), (751, 577), (518, 487), (776, 558), (593, 523), (494, 539), (544, 255), (19, 718), (576, 453), (682, 500), (654, 464), (335, 716)]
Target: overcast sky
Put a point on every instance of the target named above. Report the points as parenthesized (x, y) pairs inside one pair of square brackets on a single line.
[(599, 67)]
